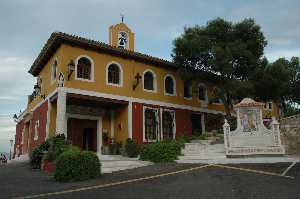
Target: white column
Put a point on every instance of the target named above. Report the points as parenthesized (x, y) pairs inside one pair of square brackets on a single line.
[(130, 119), (61, 120), (203, 123), (112, 123), (48, 118), (99, 136)]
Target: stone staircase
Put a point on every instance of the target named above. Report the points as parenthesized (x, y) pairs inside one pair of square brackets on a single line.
[(113, 163), (199, 150)]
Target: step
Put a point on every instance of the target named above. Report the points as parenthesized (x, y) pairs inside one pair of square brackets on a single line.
[(112, 163)]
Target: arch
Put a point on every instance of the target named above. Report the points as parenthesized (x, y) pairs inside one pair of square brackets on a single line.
[(170, 85), (147, 77), (114, 74), (85, 72)]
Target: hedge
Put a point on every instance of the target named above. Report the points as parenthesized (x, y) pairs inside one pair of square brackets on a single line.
[(132, 148), (161, 151), (75, 165), (53, 147)]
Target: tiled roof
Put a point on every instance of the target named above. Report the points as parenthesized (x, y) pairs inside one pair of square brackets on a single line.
[(58, 38), (248, 102)]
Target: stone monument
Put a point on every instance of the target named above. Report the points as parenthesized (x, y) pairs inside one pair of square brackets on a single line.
[(251, 137)]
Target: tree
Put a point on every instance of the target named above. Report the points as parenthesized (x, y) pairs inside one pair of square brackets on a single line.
[(278, 81), (221, 53)]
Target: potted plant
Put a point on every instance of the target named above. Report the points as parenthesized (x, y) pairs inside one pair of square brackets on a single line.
[(105, 147)]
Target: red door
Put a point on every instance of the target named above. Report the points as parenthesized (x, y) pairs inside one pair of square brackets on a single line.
[(83, 133)]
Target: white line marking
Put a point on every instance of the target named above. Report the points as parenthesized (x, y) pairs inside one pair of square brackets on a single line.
[(287, 169)]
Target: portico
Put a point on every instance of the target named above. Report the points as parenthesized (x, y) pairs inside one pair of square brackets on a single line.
[(85, 119)]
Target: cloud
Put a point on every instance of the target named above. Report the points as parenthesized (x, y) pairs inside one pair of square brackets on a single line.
[(7, 131)]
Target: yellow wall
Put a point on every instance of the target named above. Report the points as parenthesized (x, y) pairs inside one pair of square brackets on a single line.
[(121, 124), (113, 35), (48, 86), (130, 69), (52, 126)]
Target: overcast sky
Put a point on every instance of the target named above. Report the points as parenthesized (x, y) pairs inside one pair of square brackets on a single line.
[(25, 25)]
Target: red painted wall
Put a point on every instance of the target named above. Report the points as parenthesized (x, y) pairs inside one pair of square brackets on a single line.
[(182, 116), (18, 137), (183, 122), (39, 114)]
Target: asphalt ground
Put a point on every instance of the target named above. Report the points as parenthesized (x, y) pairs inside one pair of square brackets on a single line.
[(160, 181)]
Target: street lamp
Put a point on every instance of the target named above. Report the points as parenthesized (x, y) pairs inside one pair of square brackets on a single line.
[(11, 143)]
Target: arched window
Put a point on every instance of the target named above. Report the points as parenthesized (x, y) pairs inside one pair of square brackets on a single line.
[(149, 81), (114, 74), (202, 92), (84, 68), (170, 86), (54, 70)]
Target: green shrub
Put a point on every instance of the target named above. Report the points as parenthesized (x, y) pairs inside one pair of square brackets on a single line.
[(37, 154), (58, 145), (162, 151), (75, 165), (132, 148)]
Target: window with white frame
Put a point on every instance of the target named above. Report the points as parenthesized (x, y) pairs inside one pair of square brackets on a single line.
[(84, 68), (202, 92), (268, 106), (168, 124), (114, 74), (36, 130), (149, 81), (54, 70), (151, 124), (170, 85)]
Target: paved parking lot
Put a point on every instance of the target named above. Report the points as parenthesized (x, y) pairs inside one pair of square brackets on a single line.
[(161, 181)]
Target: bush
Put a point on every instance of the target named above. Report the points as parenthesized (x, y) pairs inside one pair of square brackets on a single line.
[(37, 154), (57, 146), (75, 165), (162, 151), (132, 148)]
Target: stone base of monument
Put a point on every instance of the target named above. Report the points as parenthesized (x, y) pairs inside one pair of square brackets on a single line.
[(251, 136), (255, 152)]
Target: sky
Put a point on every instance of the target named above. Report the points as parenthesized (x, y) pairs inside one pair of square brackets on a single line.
[(25, 26)]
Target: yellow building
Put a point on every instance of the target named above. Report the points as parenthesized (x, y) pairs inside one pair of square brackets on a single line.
[(91, 91)]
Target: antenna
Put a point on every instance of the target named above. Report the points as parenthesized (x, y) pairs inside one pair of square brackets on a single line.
[(122, 17)]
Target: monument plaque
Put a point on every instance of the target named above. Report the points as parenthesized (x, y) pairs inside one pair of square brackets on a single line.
[(251, 136)]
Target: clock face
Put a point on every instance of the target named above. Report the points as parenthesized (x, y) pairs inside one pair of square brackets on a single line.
[(122, 40)]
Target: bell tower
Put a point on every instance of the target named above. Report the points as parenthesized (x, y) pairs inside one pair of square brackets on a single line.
[(121, 36)]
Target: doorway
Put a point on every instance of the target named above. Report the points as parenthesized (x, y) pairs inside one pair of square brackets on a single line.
[(196, 124), (83, 133)]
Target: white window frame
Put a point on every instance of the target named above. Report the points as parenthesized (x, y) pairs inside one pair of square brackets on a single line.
[(161, 122), (92, 68), (267, 106), (203, 102), (120, 74), (174, 81), (190, 87), (54, 72), (219, 100), (154, 81), (157, 127), (36, 130)]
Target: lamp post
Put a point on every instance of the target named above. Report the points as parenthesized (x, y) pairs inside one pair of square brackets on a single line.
[(11, 143)]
